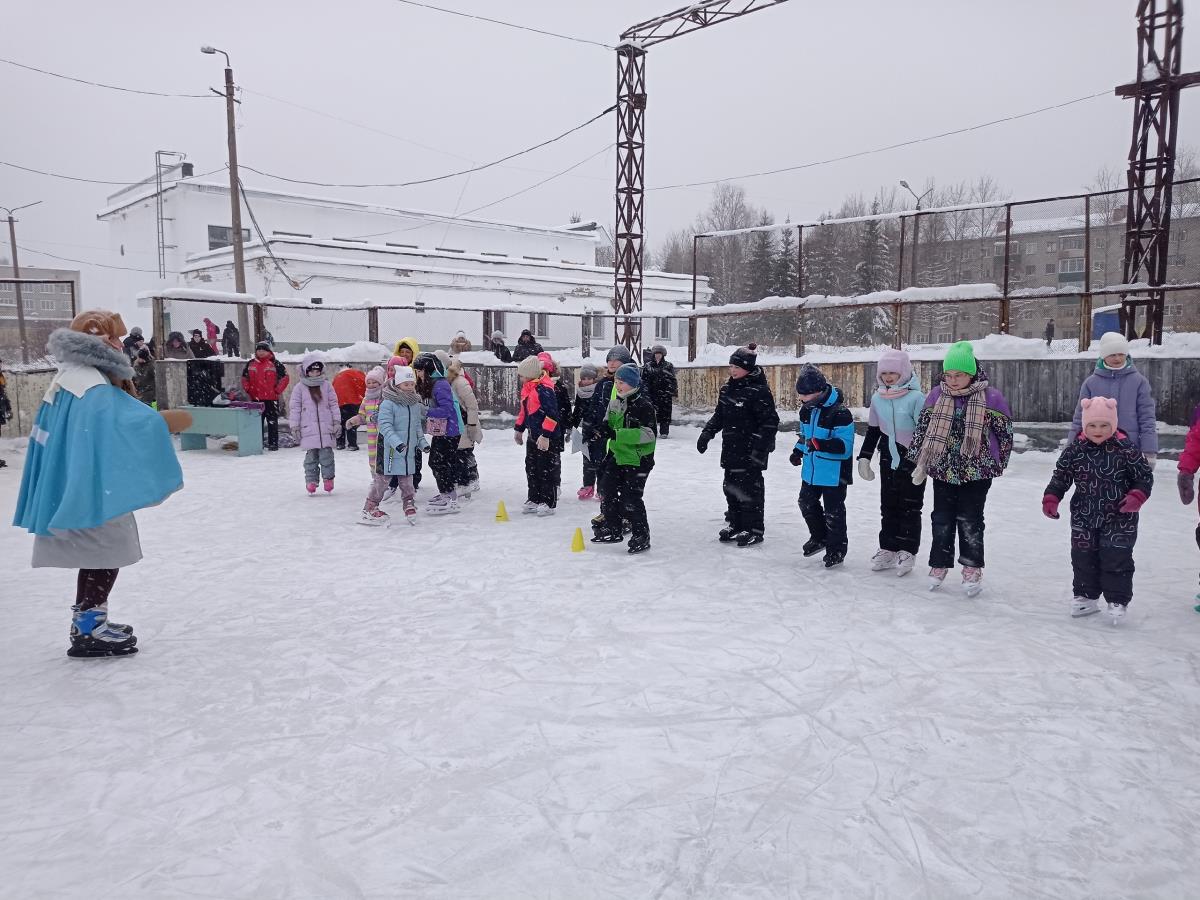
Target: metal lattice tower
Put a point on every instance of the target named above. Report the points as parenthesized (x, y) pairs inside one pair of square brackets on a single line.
[(630, 229), (1155, 93)]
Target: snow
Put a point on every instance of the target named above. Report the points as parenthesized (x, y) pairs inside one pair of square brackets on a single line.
[(854, 220), (468, 710), (184, 293)]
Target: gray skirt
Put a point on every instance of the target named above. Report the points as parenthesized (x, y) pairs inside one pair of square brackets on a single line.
[(113, 545)]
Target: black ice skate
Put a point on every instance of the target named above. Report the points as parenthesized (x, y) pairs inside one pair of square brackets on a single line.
[(728, 535), (92, 636), (834, 558), (638, 544), (749, 539), (812, 547)]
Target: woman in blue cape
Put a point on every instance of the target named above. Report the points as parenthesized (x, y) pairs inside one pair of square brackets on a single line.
[(96, 454)]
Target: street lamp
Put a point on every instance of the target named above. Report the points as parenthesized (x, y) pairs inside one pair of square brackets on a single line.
[(916, 227), (235, 196), (16, 267)]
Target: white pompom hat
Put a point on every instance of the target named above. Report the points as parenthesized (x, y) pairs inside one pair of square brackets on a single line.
[(1113, 342)]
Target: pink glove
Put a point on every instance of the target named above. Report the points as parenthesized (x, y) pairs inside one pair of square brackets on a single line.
[(1133, 501), (1050, 506)]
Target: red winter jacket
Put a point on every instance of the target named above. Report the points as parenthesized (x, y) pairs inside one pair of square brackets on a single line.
[(264, 379), (350, 385), (1189, 460)]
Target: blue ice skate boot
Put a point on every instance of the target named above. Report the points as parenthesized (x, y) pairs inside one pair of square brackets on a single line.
[(93, 636)]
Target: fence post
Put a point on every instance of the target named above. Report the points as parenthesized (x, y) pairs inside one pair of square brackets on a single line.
[(372, 324), (158, 326), (900, 257), (585, 340), (799, 332), (898, 316), (692, 328), (1005, 310), (260, 323), (487, 330), (1085, 321)]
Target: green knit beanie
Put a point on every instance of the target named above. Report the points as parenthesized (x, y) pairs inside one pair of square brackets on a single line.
[(960, 358)]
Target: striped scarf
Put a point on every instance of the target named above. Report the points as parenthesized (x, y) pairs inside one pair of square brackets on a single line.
[(937, 432)]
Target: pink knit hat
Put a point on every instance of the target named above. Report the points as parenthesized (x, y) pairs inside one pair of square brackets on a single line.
[(895, 361), (392, 364), (1099, 409), (548, 363)]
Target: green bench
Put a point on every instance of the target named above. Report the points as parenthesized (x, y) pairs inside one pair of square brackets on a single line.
[(246, 424)]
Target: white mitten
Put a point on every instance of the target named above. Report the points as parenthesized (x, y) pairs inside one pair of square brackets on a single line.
[(918, 475)]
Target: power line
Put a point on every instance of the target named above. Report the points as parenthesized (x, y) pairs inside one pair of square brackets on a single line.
[(861, 153), (266, 245), (88, 262), (455, 12), (448, 175), (91, 180), (100, 84)]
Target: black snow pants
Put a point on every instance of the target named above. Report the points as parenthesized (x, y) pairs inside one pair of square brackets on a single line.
[(662, 411), (958, 508), (1102, 561), (270, 419), (543, 472), (443, 461), (824, 511), (900, 506), (621, 490), (592, 460), (745, 498)]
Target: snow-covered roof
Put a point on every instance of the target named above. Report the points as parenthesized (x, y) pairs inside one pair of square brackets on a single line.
[(186, 293)]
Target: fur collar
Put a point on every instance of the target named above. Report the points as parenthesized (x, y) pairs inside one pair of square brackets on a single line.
[(81, 349)]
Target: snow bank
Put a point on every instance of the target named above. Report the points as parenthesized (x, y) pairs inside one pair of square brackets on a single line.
[(358, 352)]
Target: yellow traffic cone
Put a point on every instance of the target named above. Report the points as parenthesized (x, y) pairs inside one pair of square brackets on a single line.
[(501, 513), (577, 541)]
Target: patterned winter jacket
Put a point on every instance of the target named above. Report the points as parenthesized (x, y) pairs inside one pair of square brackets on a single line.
[(1102, 474), (953, 467)]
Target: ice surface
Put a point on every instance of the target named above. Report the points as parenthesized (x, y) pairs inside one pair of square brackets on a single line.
[(466, 709)]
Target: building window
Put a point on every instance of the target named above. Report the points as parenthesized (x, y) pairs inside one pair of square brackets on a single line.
[(1174, 309), (1049, 270), (662, 328), (539, 324), (498, 322), (597, 325), (1179, 235), (420, 305), (1071, 242), (287, 234), (221, 236), (1051, 246), (1097, 267), (1176, 261), (1066, 266), (1027, 334), (998, 248), (48, 304), (1031, 270), (944, 337)]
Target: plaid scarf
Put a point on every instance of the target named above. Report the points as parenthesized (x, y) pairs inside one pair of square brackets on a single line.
[(937, 432)]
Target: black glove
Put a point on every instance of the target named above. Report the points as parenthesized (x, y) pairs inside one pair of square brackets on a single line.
[(606, 432), (797, 458), (702, 442)]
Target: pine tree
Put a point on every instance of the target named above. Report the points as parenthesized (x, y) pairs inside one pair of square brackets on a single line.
[(784, 282), (759, 265), (874, 259)]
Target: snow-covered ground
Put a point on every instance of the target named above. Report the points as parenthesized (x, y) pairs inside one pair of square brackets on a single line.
[(466, 709)]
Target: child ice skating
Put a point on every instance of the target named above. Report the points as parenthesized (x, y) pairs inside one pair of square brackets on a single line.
[(593, 448), (660, 385), (895, 406), (963, 440), (316, 421), (1112, 481), (823, 450), (748, 422), (631, 430), (472, 432), (1115, 376), (350, 385), (368, 418), (401, 426), (443, 420), (97, 456), (264, 380), (562, 401), (1189, 462), (594, 416), (539, 416)]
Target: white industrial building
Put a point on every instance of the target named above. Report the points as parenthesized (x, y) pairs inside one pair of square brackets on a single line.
[(328, 253)]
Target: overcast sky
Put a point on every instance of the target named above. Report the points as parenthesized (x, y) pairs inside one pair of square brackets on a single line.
[(800, 82)]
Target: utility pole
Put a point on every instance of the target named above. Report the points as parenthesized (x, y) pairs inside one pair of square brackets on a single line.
[(916, 227), (16, 267), (235, 196)]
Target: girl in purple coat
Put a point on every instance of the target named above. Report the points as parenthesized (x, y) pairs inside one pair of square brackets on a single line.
[(445, 426), (963, 439), (1116, 377), (316, 420)]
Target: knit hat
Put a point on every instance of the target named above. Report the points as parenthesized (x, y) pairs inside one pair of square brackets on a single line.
[(1099, 409), (811, 381), (1113, 342), (619, 353), (377, 374), (99, 322), (497, 335), (745, 357), (587, 370), (630, 375), (895, 361), (404, 375), (547, 362), (530, 368), (659, 348), (960, 357), (262, 345), (393, 363)]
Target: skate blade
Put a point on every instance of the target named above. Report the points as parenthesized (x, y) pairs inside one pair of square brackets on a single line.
[(935, 586), (76, 653), (1077, 614), (972, 591), (900, 573)]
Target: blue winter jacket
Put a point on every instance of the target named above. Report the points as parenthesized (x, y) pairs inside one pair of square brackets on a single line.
[(401, 425), (832, 426)]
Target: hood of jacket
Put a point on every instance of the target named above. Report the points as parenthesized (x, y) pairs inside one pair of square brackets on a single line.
[(309, 358), (410, 343), (1105, 372), (176, 336), (913, 384), (81, 349)]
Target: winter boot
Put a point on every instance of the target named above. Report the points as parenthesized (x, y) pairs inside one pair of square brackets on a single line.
[(92, 636), (728, 535), (749, 539), (883, 559), (410, 511), (374, 517), (586, 493), (329, 485), (311, 487), (972, 580), (904, 563), (1116, 613), (639, 543), (1084, 606), (812, 547), (936, 577), (834, 558)]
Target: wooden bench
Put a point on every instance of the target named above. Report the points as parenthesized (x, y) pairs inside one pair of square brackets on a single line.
[(246, 424)]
